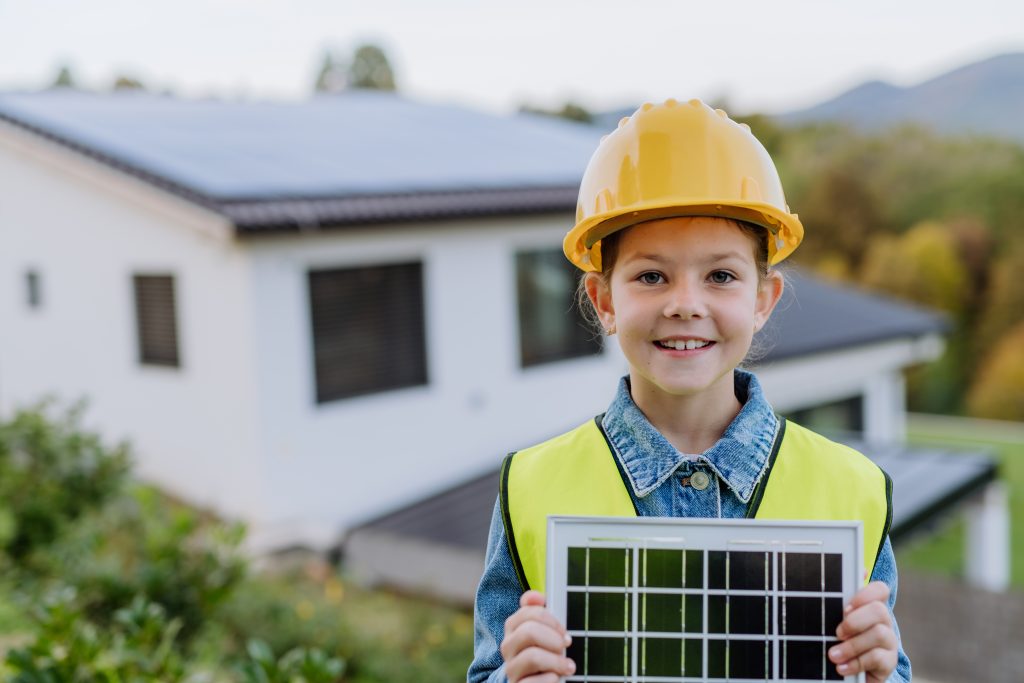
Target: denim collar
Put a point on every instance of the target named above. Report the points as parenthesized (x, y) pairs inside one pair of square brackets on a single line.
[(739, 458)]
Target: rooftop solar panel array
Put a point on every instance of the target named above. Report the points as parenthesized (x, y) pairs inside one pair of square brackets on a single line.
[(354, 143)]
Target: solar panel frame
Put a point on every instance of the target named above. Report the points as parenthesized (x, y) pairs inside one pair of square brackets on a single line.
[(796, 581)]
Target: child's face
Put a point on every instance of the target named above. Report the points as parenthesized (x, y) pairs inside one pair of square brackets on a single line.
[(679, 280)]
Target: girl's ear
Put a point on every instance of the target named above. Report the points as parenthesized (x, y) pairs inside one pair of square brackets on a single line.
[(600, 295), (768, 294)]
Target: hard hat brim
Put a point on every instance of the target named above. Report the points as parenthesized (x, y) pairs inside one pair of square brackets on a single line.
[(582, 248)]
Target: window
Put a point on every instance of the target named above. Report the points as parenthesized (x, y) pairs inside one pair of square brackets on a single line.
[(368, 329), (550, 326), (156, 318), (33, 289)]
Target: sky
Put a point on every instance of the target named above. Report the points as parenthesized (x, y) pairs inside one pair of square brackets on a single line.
[(769, 56)]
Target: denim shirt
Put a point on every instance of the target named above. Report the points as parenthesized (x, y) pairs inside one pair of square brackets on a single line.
[(654, 468)]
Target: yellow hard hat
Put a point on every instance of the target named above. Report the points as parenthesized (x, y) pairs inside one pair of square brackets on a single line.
[(679, 159)]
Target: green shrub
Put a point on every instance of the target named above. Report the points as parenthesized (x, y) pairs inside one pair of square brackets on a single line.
[(148, 546), (137, 646), (297, 666), (51, 472)]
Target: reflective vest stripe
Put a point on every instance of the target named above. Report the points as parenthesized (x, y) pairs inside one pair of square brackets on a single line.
[(808, 478)]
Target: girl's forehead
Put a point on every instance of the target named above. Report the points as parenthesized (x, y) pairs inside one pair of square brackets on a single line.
[(689, 232)]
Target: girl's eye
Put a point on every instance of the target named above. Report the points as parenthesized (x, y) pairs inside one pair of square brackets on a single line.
[(650, 278), (721, 277)]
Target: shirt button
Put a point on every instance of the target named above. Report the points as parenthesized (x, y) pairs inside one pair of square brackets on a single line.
[(699, 480)]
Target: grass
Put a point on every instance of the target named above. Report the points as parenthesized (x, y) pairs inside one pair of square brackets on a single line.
[(942, 552)]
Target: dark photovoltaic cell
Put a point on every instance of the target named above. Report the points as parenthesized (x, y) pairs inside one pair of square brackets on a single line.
[(599, 611), (739, 614), (741, 570), (601, 656), (665, 568), (810, 616), (744, 659), (803, 571), (671, 613), (803, 660), (607, 567), (671, 657)]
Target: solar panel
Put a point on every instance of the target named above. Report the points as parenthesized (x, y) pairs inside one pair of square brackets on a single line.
[(663, 600)]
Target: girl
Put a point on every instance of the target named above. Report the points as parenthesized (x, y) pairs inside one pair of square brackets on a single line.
[(680, 217)]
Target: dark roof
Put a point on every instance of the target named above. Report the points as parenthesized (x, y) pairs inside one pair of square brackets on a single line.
[(926, 481), (815, 316), (332, 160)]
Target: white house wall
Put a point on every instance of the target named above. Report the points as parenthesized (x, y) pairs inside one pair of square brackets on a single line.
[(342, 461), (87, 229)]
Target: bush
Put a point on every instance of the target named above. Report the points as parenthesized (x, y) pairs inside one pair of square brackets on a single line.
[(998, 391), (297, 666), (138, 646), (51, 472), (145, 545)]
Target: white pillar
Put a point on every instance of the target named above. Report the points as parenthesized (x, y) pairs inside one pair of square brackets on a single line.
[(884, 407), (988, 539)]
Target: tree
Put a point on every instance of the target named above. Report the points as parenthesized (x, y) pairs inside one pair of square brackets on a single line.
[(123, 82), (922, 266), (331, 77), (64, 79), (570, 110), (844, 215), (998, 390), (1004, 299), (371, 69)]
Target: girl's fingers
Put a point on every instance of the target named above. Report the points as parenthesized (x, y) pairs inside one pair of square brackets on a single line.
[(873, 651), (532, 598), (874, 591), (532, 613), (877, 663), (533, 634), (864, 618), (541, 678), (534, 661)]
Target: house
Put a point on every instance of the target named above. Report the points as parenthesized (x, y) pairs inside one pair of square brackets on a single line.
[(311, 315)]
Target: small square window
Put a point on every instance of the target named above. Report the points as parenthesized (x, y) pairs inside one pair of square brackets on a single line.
[(33, 289), (369, 332), (156, 320)]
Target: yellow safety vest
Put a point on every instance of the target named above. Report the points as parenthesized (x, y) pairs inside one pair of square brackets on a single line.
[(809, 478)]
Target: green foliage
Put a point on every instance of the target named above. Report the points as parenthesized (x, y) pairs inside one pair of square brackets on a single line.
[(371, 69), (297, 666), (998, 390), (570, 110), (922, 266), (136, 647), (1004, 304), (51, 472), (146, 545), (331, 78)]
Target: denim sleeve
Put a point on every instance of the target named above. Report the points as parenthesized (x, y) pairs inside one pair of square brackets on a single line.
[(497, 598), (885, 570)]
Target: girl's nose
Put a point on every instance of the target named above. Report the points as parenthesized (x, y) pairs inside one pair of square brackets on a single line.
[(685, 301)]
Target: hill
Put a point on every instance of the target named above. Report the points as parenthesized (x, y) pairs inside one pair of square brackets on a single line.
[(985, 97)]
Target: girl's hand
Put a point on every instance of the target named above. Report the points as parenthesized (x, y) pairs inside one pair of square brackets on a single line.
[(534, 642), (869, 642)]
